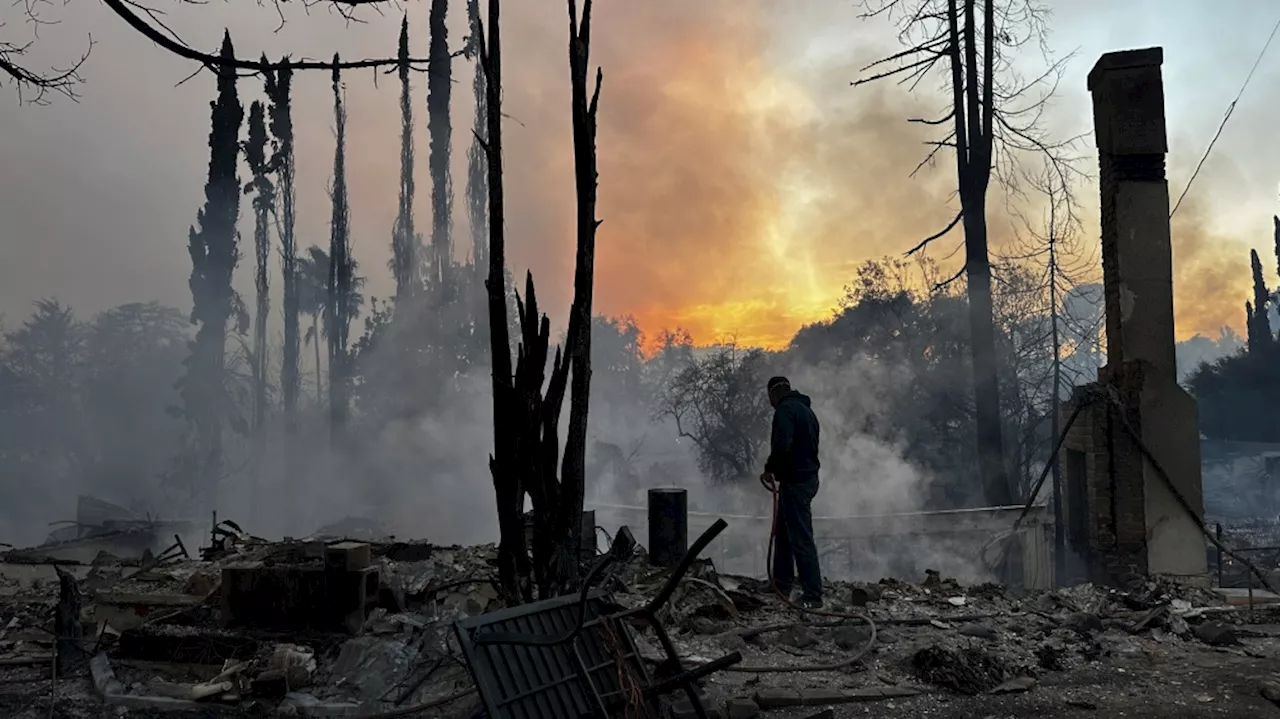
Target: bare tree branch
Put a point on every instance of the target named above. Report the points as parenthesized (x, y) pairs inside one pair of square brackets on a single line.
[(925, 242), (121, 8)]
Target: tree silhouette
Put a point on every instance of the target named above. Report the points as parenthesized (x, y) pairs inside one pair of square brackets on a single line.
[(992, 118), (214, 249), (313, 299), (404, 240)]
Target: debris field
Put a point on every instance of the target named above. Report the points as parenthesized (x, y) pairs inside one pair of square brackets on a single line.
[(250, 630)]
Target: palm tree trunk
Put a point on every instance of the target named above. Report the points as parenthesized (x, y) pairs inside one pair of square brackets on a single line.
[(315, 342)]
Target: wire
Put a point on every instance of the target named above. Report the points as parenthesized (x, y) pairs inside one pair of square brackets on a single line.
[(1230, 108)]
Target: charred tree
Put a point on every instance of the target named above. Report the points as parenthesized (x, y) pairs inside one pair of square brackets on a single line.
[(439, 89), (513, 561), (477, 191), (973, 134), (1276, 232), (255, 151), (573, 473), (278, 87), (404, 243), (1259, 325), (339, 307), (985, 116), (213, 245), (526, 455)]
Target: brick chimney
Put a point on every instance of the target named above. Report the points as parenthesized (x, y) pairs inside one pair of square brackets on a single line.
[(1123, 517)]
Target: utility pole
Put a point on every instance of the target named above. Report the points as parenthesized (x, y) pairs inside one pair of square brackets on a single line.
[(1059, 531)]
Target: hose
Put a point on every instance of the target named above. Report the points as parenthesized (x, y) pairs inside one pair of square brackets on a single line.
[(772, 486)]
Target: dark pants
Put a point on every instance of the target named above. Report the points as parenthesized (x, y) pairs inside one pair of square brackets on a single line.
[(794, 550)]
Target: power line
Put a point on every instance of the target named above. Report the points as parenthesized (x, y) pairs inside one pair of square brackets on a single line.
[(1230, 108)]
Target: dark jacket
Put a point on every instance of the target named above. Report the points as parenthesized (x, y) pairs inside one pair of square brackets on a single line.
[(793, 445)]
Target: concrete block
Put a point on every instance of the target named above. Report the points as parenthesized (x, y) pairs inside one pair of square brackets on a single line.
[(742, 708), (347, 556)]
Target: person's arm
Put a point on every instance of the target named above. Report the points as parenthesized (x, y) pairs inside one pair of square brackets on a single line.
[(780, 440)]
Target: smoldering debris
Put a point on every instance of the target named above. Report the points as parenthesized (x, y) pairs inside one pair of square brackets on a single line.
[(162, 636), (971, 670), (101, 526)]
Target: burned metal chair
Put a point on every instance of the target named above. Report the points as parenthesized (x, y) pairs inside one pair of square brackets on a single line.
[(574, 657)]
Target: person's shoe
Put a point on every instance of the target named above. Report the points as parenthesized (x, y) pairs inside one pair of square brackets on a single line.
[(810, 604)]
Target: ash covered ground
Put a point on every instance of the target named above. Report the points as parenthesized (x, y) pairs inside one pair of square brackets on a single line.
[(152, 644)]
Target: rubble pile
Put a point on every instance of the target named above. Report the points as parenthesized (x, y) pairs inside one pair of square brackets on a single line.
[(157, 636)]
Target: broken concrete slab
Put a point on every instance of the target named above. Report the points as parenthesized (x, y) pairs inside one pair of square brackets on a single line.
[(742, 708), (113, 692)]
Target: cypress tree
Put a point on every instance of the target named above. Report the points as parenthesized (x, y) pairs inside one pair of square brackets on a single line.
[(1276, 221), (1259, 326), (439, 81), (1251, 326), (212, 243), (278, 86), (255, 151), (340, 270), (404, 244), (477, 181)]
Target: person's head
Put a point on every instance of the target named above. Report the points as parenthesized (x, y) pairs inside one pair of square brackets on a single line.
[(778, 388)]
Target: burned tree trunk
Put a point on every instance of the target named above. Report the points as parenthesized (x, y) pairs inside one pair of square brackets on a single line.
[(439, 90), (526, 455), (255, 150), (404, 242), (278, 86), (973, 121), (573, 473), (340, 272), (67, 627), (513, 562), (477, 195)]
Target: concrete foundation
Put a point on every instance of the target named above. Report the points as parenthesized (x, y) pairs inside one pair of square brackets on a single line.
[(1123, 516), (335, 595)]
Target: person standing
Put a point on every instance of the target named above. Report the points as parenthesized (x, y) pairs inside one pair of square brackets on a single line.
[(793, 466)]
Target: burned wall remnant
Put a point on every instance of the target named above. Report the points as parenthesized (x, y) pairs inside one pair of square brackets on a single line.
[(1123, 516)]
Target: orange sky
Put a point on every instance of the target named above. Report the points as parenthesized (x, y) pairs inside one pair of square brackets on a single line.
[(742, 179), (739, 194)]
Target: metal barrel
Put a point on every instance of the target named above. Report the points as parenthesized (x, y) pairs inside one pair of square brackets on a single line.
[(668, 526), (589, 541)]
